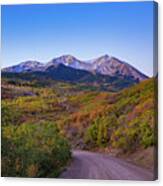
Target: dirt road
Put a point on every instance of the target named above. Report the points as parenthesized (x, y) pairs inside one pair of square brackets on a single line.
[(89, 165)]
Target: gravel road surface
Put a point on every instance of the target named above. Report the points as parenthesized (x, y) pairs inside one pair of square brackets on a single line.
[(89, 165)]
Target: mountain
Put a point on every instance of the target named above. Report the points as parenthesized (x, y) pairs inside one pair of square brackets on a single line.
[(104, 65), (70, 61), (69, 74), (112, 66), (26, 66)]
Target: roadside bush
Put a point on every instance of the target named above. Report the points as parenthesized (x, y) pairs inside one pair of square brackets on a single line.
[(99, 133), (33, 150)]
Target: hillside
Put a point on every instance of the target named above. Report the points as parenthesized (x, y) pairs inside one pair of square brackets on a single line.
[(120, 122)]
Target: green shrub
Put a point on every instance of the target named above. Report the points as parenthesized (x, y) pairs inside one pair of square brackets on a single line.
[(99, 133), (10, 114), (33, 150)]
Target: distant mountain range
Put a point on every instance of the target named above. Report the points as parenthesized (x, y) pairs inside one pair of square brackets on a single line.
[(104, 66), (103, 73)]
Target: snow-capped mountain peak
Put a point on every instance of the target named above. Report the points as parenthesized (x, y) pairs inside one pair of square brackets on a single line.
[(25, 67), (105, 65)]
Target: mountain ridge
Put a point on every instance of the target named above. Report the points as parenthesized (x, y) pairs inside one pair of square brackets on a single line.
[(104, 65)]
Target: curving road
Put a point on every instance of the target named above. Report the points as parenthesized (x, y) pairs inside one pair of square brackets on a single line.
[(89, 165)]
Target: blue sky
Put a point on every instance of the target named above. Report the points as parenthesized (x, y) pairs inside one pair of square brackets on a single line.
[(42, 32)]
